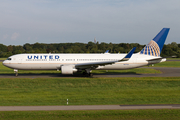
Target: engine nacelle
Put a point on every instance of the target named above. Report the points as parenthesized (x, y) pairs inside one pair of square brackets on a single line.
[(68, 69)]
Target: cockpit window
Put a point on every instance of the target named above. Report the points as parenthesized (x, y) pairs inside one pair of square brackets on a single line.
[(8, 58)]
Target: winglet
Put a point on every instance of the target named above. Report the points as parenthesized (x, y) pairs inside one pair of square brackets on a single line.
[(128, 56), (107, 51)]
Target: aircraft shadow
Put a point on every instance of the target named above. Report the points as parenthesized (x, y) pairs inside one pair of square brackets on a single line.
[(29, 75)]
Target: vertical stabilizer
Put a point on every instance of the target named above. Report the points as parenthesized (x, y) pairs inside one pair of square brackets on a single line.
[(155, 46)]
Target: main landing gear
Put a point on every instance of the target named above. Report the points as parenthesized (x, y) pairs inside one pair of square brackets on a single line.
[(16, 72), (88, 73)]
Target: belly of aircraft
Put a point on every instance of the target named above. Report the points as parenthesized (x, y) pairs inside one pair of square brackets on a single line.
[(35, 66)]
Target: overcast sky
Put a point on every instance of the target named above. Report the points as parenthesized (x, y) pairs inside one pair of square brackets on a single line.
[(62, 21)]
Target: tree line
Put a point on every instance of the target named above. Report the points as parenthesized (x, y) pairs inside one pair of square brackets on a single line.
[(168, 50)]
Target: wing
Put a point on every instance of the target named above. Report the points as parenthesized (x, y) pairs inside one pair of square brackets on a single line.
[(93, 65)]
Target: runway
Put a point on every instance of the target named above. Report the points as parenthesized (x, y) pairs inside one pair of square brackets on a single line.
[(88, 107), (166, 72)]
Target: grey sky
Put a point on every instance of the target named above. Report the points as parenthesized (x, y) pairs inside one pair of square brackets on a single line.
[(61, 21)]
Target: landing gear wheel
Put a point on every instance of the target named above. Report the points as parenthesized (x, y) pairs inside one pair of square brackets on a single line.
[(90, 75), (16, 74)]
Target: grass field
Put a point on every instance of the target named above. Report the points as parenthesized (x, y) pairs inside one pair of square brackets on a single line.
[(3, 58), (168, 64), (89, 91), (164, 114), (173, 58)]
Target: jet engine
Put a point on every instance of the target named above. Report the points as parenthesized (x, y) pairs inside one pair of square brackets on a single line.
[(68, 69)]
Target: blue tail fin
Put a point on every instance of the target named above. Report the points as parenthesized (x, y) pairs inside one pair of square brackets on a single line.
[(155, 46)]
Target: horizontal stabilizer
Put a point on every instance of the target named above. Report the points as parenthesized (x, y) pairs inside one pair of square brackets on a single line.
[(164, 59)]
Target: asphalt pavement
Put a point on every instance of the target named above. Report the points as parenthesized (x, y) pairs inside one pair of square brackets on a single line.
[(88, 107)]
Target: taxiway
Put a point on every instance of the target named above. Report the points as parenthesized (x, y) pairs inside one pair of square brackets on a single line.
[(87, 107)]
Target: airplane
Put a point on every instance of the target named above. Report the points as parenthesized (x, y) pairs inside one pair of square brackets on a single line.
[(72, 63)]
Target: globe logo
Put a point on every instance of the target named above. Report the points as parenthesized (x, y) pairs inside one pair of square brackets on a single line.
[(151, 49)]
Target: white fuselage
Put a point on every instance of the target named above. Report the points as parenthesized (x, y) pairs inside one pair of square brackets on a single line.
[(55, 61)]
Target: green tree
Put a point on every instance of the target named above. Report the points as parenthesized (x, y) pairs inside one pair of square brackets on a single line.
[(3, 48)]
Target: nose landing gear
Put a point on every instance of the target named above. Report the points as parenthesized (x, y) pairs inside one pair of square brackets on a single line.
[(16, 72)]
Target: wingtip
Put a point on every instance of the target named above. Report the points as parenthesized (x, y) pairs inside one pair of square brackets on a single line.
[(128, 56), (130, 53)]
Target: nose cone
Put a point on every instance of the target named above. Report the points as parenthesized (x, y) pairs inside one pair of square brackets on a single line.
[(5, 63)]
